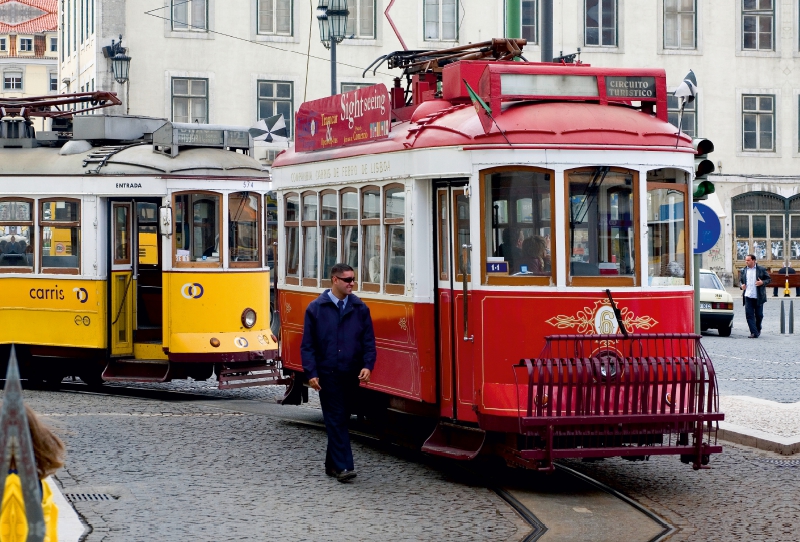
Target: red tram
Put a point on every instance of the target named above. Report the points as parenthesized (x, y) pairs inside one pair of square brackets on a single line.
[(527, 262)]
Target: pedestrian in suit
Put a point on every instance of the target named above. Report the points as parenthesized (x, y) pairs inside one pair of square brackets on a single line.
[(338, 352), (753, 281), (786, 270)]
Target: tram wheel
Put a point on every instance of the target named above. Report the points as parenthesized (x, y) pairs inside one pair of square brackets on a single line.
[(91, 378)]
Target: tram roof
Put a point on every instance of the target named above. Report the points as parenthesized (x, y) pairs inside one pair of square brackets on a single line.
[(527, 124), (128, 160)]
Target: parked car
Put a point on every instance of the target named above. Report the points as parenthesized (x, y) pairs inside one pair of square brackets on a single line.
[(716, 305)]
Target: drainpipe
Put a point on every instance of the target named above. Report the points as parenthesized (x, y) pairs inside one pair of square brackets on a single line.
[(547, 31)]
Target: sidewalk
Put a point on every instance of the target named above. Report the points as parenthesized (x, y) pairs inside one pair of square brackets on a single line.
[(762, 424), (70, 527)]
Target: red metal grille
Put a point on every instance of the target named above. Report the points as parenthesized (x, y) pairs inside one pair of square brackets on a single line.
[(609, 395)]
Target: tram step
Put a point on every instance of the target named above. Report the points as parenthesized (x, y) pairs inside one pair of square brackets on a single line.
[(140, 370), (455, 441), (245, 375)]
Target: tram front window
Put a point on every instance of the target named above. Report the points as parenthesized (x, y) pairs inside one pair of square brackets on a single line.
[(197, 228), (601, 228), (519, 203), (16, 244), (244, 217), (60, 231), (666, 238)]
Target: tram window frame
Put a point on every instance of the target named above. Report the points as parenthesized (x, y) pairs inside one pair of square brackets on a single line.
[(369, 286), (124, 236), (458, 251), (687, 247), (220, 218), (390, 224), (292, 276), (305, 224), (605, 280), (324, 276), (350, 225), (270, 229), (256, 261), (32, 233), (60, 224), (494, 279)]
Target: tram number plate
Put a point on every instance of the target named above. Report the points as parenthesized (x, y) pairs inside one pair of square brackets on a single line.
[(497, 267), (705, 305)]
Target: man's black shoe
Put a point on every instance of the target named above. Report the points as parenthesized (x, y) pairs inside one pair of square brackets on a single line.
[(331, 472), (345, 475), (752, 336)]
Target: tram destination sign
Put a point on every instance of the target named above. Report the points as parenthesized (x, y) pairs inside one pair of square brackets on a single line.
[(354, 117), (639, 88)]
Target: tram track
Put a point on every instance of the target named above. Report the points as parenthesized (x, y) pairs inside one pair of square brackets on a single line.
[(515, 497)]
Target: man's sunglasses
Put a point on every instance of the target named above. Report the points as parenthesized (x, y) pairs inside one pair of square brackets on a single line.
[(348, 280)]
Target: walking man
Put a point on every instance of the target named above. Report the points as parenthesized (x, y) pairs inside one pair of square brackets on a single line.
[(753, 281), (338, 352)]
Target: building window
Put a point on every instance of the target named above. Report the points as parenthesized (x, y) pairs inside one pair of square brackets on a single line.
[(601, 22), (680, 18), (53, 44), (347, 87), (274, 98), (275, 17), (53, 81), (689, 121), (190, 15), (758, 123), (26, 44), (758, 22), (190, 100), (441, 20), (16, 241), (361, 21), (530, 21), (3, 46), (12, 81)]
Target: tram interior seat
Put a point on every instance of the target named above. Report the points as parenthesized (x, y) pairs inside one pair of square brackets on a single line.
[(59, 261), (584, 269)]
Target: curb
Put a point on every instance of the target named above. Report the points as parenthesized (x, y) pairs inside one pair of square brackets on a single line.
[(759, 439)]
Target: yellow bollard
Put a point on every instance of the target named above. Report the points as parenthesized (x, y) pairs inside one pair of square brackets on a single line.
[(786, 291)]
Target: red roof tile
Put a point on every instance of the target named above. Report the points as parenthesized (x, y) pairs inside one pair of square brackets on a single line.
[(48, 22)]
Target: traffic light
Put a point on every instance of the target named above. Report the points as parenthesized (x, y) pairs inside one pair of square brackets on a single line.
[(702, 187)]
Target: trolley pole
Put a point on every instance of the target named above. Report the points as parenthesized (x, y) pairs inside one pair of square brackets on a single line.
[(698, 261), (333, 68), (547, 30)]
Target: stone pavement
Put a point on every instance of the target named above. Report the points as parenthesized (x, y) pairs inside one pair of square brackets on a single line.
[(179, 470)]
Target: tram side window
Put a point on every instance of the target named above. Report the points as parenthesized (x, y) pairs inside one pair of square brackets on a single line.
[(271, 205), (666, 235), (60, 230), (327, 224), (244, 217), (148, 233), (371, 236), (349, 226), (197, 228), (520, 227), (601, 228), (292, 224), (310, 239), (16, 241), (394, 221)]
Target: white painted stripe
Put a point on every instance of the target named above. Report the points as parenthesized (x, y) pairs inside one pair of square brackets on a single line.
[(70, 527)]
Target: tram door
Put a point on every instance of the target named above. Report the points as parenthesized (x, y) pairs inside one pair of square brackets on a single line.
[(122, 278), (453, 267)]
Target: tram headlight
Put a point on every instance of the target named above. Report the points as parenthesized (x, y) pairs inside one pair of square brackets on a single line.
[(248, 318)]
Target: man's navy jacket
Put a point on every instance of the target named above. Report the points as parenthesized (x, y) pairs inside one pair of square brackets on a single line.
[(761, 291), (330, 342)]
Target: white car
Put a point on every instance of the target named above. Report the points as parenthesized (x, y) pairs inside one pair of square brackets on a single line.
[(716, 305)]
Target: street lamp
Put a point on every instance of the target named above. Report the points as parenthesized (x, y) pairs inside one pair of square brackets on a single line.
[(332, 17), (120, 66)]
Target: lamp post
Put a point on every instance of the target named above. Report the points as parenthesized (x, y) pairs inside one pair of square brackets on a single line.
[(120, 66), (332, 17)]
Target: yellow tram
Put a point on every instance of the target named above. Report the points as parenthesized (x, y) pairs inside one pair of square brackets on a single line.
[(134, 250)]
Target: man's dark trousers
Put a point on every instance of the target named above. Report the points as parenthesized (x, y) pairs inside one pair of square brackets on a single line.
[(338, 391), (754, 311)]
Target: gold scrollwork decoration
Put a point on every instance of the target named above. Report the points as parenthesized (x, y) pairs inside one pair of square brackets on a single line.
[(402, 324)]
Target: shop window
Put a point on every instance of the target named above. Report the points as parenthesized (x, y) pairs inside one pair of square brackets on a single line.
[(60, 227), (197, 229), (394, 229), (601, 229), (371, 236), (292, 225), (310, 239), (16, 239), (244, 231), (518, 227)]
